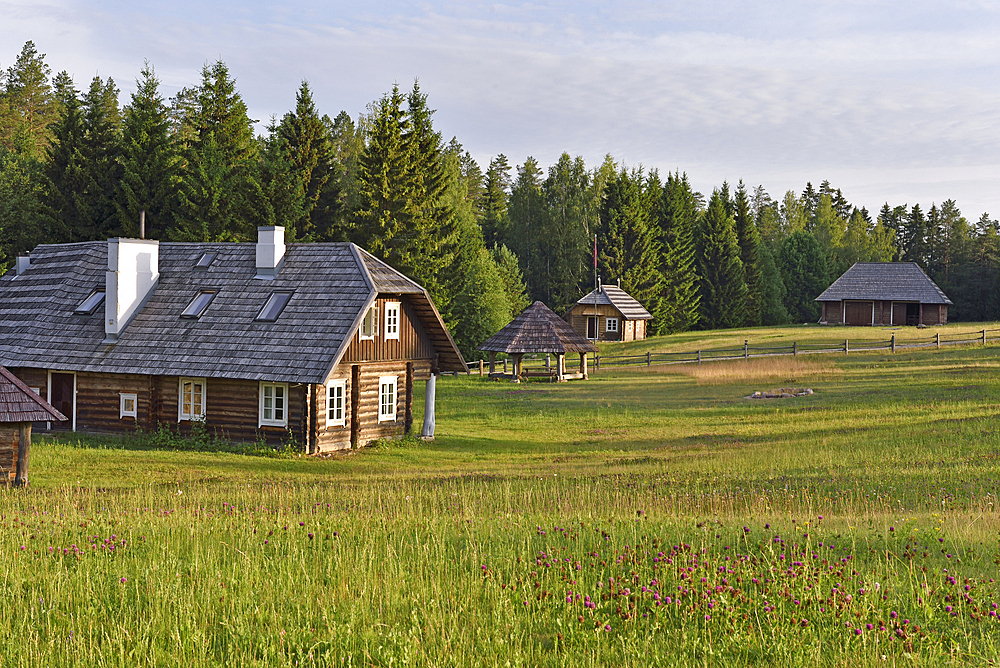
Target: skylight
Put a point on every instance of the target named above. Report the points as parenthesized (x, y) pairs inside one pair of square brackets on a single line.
[(198, 305), (92, 301), (205, 261), (275, 304)]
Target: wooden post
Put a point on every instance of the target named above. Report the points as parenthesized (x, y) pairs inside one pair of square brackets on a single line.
[(493, 362), (481, 369), (892, 342), (505, 366), (355, 408), (428, 431), (938, 338), (517, 366), (984, 337), (583, 365), (312, 404), (23, 454), (746, 349), (597, 362), (408, 415), (648, 359), (699, 357), (560, 367), (847, 347), (795, 346), (548, 363)]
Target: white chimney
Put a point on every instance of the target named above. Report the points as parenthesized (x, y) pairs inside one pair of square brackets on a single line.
[(23, 262), (133, 270), (270, 251)]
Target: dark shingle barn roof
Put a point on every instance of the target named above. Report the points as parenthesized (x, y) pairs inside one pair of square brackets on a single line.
[(614, 296), (332, 284), (19, 403), (885, 281), (538, 330)]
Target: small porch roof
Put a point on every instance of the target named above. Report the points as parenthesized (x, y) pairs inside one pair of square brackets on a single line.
[(538, 330)]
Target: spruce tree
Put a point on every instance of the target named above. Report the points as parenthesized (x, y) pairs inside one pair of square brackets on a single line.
[(149, 161), (772, 305), (628, 246), (723, 286), (100, 150), (749, 241), (220, 197), (571, 217), (65, 171), (307, 147), (481, 308), (27, 104), (496, 191), (678, 214), (525, 235), (512, 279), (332, 216)]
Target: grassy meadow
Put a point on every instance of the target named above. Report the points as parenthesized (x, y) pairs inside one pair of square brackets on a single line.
[(644, 517)]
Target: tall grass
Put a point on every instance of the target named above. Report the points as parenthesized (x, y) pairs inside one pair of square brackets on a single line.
[(759, 370), (635, 519)]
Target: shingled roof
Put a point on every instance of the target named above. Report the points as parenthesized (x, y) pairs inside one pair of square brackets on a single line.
[(332, 284), (19, 403), (614, 296), (885, 281), (538, 330)]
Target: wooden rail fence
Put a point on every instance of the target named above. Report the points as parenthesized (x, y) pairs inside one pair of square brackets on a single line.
[(747, 351)]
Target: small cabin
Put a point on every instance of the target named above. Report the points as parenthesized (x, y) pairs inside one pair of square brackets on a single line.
[(882, 294), (609, 314), (20, 406)]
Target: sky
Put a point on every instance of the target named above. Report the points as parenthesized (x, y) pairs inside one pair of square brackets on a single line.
[(893, 102)]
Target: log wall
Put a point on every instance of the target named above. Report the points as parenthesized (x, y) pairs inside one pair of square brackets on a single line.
[(10, 438)]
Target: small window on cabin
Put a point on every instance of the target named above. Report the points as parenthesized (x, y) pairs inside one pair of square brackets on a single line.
[(273, 397), (274, 306), (387, 399), (392, 320), (369, 325), (335, 403), (127, 405), (612, 325), (191, 399), (198, 305), (205, 260), (88, 305)]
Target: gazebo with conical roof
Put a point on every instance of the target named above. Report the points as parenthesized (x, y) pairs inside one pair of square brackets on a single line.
[(539, 330)]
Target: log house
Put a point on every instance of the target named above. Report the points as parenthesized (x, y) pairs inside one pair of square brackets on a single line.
[(320, 343), (884, 294), (609, 314)]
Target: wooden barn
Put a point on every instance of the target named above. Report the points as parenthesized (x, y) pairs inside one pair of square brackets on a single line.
[(539, 330), (884, 293), (609, 314), (19, 407), (317, 342)]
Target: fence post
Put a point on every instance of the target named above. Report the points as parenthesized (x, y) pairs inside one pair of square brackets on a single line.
[(795, 348), (480, 368), (847, 347), (699, 357), (938, 337), (648, 359), (746, 349), (548, 363), (984, 337), (892, 342), (597, 362)]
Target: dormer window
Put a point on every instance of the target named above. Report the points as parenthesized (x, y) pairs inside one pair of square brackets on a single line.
[(198, 305), (369, 324), (205, 261), (274, 306), (88, 305)]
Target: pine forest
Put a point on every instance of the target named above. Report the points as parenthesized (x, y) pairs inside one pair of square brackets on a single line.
[(77, 166)]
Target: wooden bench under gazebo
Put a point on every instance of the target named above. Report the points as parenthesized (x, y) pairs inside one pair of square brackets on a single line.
[(19, 407), (539, 330)]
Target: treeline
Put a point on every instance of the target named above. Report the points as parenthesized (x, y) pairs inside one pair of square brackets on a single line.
[(75, 166)]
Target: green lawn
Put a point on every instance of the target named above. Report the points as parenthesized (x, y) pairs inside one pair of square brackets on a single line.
[(639, 518)]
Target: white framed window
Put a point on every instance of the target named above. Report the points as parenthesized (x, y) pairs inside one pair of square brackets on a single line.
[(612, 325), (273, 404), (127, 403), (369, 324), (191, 399), (387, 399), (36, 390), (392, 320), (335, 390)]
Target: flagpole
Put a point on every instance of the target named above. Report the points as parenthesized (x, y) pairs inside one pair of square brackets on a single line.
[(597, 289)]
